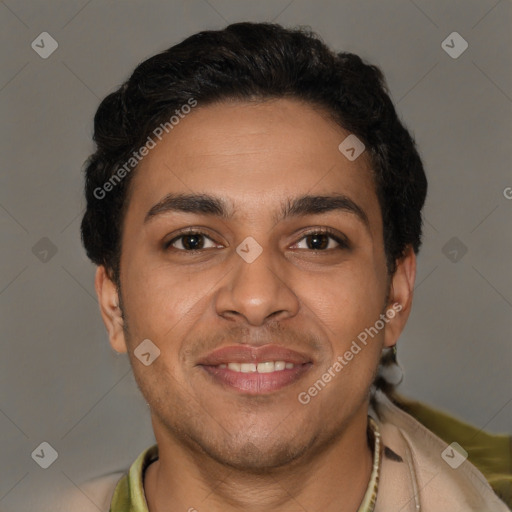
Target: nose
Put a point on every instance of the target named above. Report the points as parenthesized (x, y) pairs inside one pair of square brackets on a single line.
[(257, 292)]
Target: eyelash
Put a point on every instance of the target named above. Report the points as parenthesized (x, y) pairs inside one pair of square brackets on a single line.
[(343, 243)]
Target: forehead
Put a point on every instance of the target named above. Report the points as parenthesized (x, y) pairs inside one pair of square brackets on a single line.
[(255, 155)]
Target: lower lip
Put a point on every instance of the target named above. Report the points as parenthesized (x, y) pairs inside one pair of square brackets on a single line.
[(255, 383)]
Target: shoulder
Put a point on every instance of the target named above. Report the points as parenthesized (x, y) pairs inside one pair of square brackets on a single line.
[(116, 491), (93, 495), (418, 468)]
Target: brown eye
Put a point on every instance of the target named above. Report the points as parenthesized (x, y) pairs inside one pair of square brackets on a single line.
[(317, 241), (323, 240), (193, 241)]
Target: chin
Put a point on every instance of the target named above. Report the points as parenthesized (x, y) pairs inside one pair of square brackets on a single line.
[(257, 456)]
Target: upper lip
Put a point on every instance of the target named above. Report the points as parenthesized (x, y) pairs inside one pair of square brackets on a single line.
[(248, 354)]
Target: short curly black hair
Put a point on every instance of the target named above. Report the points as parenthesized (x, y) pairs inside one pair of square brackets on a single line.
[(252, 61)]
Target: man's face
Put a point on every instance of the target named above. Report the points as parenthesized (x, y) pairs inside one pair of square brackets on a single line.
[(309, 294)]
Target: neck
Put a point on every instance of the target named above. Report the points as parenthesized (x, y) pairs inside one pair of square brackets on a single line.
[(331, 478)]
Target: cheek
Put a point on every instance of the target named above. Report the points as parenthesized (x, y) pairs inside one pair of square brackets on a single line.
[(346, 301), (159, 300)]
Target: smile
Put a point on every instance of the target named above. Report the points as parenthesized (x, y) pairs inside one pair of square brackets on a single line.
[(252, 379), (265, 367)]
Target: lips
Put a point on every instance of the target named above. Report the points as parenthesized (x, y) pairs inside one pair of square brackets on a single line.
[(237, 368), (256, 383), (246, 354)]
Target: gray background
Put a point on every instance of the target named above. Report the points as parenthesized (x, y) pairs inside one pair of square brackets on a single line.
[(60, 382)]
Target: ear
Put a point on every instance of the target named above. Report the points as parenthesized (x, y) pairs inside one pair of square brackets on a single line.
[(110, 310), (400, 297)]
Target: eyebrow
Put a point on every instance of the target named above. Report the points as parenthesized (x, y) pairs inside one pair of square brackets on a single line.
[(294, 207)]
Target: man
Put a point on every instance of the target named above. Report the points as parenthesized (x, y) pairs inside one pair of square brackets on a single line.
[(254, 209)]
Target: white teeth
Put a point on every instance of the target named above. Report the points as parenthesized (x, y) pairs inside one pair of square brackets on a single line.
[(264, 367), (267, 367), (247, 367)]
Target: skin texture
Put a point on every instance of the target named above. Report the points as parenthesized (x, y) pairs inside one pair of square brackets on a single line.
[(221, 450)]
